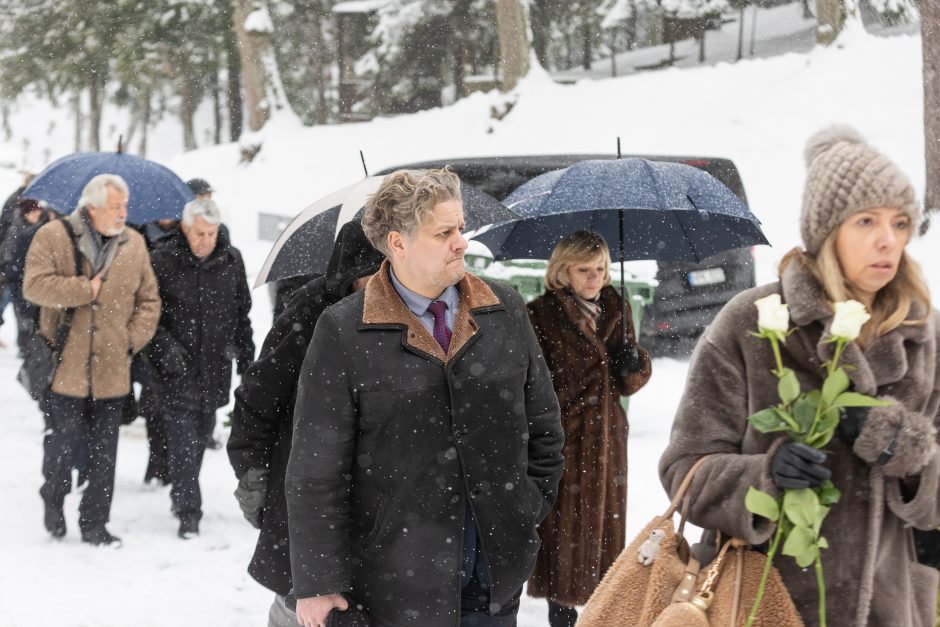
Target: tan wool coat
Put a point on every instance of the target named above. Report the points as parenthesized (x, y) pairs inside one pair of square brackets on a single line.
[(871, 574), (105, 332), (585, 531)]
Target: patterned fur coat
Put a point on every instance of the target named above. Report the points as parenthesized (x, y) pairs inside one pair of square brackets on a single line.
[(585, 531)]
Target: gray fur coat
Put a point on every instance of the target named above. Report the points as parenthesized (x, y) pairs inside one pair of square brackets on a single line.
[(872, 576)]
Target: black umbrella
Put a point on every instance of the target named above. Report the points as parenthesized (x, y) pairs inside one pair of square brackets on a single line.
[(647, 209), (304, 247)]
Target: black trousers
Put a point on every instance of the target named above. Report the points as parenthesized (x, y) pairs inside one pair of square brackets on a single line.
[(73, 424), (187, 432)]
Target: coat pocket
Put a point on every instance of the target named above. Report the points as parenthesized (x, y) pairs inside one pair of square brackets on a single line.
[(378, 522)]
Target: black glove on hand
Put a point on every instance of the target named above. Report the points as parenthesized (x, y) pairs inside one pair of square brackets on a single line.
[(625, 359), (252, 491), (851, 422), (798, 465)]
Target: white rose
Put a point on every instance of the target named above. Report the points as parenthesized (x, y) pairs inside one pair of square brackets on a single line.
[(772, 315), (849, 319)]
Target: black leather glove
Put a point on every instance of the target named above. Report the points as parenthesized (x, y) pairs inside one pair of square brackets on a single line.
[(851, 422), (798, 465), (625, 359), (252, 492)]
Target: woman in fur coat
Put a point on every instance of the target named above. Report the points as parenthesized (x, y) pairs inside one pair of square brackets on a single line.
[(580, 328), (859, 212)]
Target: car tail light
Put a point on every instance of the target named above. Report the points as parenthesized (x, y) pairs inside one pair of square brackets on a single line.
[(754, 253), (663, 326)]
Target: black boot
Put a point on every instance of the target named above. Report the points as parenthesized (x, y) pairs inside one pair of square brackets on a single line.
[(99, 536), (54, 520), (189, 527), (561, 615)]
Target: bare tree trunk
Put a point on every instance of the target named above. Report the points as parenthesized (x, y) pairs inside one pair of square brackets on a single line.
[(460, 22), (318, 68), (930, 41), (251, 49), (79, 119), (741, 31), (587, 36), (540, 30), (829, 17), (216, 110), (94, 112), (613, 52), (233, 95), (145, 111), (513, 42), (187, 113)]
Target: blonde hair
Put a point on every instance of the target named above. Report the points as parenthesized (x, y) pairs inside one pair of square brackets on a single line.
[(892, 303), (578, 247), (404, 201)]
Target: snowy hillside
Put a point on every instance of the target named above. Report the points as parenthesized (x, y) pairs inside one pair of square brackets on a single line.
[(758, 113)]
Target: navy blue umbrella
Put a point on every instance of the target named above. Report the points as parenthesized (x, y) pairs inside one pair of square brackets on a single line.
[(644, 209), (670, 211), (156, 193)]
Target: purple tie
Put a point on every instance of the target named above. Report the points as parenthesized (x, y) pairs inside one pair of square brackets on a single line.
[(441, 332)]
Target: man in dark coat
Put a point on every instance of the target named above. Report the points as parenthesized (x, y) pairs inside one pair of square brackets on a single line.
[(263, 419), (32, 215), (204, 325), (10, 220), (427, 440)]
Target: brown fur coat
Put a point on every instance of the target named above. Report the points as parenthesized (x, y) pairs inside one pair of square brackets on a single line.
[(872, 576), (585, 531)]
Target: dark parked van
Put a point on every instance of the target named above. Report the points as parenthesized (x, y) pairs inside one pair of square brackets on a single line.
[(689, 295)]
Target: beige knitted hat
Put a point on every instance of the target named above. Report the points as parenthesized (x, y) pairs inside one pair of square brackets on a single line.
[(846, 175)]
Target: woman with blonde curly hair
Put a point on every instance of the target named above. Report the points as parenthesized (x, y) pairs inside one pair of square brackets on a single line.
[(580, 327)]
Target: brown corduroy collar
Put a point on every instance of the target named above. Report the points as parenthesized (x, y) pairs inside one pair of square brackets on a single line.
[(382, 306)]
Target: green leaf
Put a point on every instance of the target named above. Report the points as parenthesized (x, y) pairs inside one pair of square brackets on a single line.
[(822, 543), (821, 439), (762, 504), (804, 411), (801, 506), (834, 385), (828, 493), (829, 420), (854, 399), (801, 545), (788, 388), (767, 421)]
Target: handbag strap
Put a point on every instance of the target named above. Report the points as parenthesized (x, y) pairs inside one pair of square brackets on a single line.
[(62, 332), (681, 492)]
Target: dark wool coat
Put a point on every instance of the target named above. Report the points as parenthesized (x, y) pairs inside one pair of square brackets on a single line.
[(263, 418), (392, 438), (872, 576), (585, 531), (106, 331), (203, 326)]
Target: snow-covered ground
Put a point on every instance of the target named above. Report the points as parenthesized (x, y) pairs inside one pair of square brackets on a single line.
[(759, 113)]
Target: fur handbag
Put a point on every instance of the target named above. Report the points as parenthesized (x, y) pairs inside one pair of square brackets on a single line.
[(656, 582)]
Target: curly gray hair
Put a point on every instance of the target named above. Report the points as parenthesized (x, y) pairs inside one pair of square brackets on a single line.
[(404, 201)]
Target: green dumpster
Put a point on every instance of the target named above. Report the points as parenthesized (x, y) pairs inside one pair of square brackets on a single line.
[(527, 277)]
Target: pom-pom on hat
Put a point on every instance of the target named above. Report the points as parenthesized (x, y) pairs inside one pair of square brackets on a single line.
[(845, 175)]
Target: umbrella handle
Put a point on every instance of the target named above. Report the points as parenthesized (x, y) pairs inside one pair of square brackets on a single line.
[(623, 293)]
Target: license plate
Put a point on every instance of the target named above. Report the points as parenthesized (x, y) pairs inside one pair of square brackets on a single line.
[(708, 276)]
